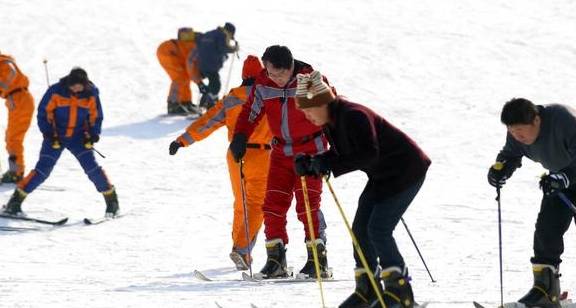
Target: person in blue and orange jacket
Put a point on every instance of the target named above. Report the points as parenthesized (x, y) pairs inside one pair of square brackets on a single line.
[(20, 104), (175, 58), (254, 167), (272, 97), (70, 117)]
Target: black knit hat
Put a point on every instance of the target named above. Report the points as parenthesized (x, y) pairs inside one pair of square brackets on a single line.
[(230, 28), (77, 76)]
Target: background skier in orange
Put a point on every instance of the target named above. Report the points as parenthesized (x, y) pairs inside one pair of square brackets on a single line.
[(255, 166), (20, 105), (174, 56)]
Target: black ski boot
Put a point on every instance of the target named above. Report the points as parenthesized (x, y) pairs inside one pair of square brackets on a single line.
[(275, 266), (546, 290), (309, 269), (11, 177), (364, 293), (397, 289), (14, 205), (111, 199)]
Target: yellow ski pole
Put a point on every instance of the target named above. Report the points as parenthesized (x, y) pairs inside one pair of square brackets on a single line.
[(312, 237), (357, 246)]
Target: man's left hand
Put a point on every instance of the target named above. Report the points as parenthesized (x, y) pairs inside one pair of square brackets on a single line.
[(554, 182)]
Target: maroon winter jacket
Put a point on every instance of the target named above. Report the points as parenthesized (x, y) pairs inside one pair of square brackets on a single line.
[(362, 140)]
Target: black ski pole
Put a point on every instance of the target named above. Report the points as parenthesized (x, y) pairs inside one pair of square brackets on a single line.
[(246, 228), (500, 246), (418, 250), (567, 202)]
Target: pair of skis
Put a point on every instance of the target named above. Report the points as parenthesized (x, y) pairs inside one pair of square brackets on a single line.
[(256, 279), (565, 302), (56, 222)]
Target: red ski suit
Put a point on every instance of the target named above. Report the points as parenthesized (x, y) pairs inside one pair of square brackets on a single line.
[(293, 134)]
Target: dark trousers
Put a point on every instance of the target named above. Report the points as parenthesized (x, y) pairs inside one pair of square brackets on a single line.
[(553, 221), (376, 218), (214, 83)]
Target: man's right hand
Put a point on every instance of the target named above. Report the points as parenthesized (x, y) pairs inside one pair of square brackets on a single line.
[(238, 146), (174, 146), (53, 139), (502, 171)]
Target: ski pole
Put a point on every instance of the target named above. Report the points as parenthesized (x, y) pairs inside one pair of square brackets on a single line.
[(229, 74), (312, 237), (45, 61), (567, 202), (98, 152), (499, 166), (418, 250), (246, 227), (357, 246)]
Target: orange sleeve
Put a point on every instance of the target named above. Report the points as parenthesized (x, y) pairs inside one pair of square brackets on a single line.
[(213, 119)]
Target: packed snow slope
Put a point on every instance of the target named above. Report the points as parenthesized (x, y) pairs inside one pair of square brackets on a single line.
[(438, 69)]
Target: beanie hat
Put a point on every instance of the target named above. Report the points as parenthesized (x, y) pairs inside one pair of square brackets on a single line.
[(230, 28), (312, 91), (186, 34), (77, 76), (252, 67)]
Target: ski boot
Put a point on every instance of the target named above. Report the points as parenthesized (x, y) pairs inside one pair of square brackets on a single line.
[(14, 205), (111, 199), (242, 261), (397, 289), (309, 269), (275, 266), (208, 100), (364, 294), (545, 292), (11, 177)]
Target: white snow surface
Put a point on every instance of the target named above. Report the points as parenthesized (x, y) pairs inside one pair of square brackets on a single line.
[(440, 70)]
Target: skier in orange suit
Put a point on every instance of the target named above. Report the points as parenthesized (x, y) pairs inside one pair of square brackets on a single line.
[(255, 165), (20, 104), (175, 57)]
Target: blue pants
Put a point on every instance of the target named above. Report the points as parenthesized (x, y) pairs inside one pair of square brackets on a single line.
[(49, 156), (375, 220)]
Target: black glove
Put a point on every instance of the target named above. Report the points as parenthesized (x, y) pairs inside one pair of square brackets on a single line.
[(174, 146), (554, 182), (53, 139), (502, 171), (303, 164), (238, 146), (89, 140)]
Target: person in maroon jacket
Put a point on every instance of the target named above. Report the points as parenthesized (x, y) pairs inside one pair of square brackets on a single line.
[(273, 96), (396, 167)]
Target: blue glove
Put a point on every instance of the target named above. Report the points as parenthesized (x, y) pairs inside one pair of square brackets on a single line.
[(554, 182)]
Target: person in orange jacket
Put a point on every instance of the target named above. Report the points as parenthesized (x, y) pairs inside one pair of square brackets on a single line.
[(20, 104), (254, 167), (175, 57)]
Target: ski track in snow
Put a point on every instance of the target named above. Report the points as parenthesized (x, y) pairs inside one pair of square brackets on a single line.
[(439, 70)]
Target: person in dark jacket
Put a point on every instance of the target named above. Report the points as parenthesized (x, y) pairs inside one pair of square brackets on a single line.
[(396, 167), (544, 134), (70, 117), (212, 49)]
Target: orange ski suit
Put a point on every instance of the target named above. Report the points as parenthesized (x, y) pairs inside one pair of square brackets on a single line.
[(20, 104), (255, 166), (174, 57)]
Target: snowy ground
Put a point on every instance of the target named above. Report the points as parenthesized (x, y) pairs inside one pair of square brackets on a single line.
[(439, 69)]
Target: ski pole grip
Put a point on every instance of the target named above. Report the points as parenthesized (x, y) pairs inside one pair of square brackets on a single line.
[(498, 166)]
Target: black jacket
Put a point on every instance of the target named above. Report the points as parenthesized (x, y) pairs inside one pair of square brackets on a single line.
[(362, 140)]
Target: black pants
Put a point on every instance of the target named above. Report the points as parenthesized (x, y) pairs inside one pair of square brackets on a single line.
[(553, 221), (214, 83), (375, 220)]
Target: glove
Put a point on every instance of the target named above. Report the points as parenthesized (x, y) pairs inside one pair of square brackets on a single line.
[(53, 139), (238, 146), (202, 88), (554, 182), (90, 140), (303, 164), (174, 146), (502, 171)]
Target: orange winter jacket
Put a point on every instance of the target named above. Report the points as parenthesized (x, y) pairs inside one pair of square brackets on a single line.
[(11, 78), (226, 112)]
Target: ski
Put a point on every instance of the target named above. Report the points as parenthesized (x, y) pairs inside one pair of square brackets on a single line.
[(99, 220), (36, 220), (17, 229), (289, 279), (565, 302)]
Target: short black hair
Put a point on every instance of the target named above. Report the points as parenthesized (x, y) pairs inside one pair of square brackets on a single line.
[(518, 111), (279, 56), (77, 76)]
